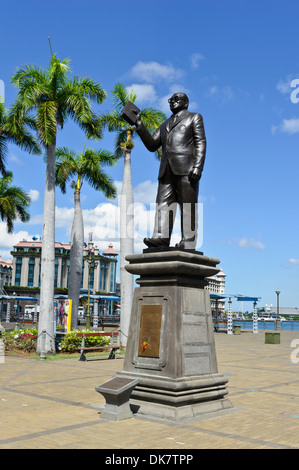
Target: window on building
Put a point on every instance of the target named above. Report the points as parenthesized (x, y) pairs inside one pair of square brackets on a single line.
[(82, 274), (39, 272), (18, 271), (31, 265), (92, 268), (103, 275), (56, 272), (68, 273), (112, 277)]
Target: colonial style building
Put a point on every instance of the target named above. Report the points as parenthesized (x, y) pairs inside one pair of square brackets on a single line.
[(217, 286), (26, 264), (5, 273)]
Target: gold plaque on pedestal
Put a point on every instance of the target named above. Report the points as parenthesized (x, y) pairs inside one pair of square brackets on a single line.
[(150, 331)]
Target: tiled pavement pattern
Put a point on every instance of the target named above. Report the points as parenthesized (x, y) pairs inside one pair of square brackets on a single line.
[(53, 404)]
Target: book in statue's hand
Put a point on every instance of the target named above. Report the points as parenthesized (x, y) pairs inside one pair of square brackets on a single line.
[(130, 113)]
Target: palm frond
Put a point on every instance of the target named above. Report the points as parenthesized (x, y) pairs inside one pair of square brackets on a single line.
[(120, 138), (46, 122), (14, 128), (113, 121), (98, 158), (27, 73), (121, 96), (13, 202), (57, 74), (100, 181), (64, 153), (78, 107), (89, 88), (92, 128), (3, 154), (86, 166), (54, 97), (65, 167), (2, 113), (152, 118), (105, 185)]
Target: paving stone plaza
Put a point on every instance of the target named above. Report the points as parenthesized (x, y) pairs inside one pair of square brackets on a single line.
[(53, 404)]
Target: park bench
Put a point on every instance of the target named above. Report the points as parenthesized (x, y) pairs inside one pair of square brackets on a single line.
[(114, 343), (109, 325), (25, 323), (217, 322)]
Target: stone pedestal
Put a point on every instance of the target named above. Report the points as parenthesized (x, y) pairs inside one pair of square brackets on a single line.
[(170, 347), (117, 393)]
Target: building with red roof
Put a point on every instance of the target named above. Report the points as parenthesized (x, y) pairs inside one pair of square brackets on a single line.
[(5, 273), (26, 267)]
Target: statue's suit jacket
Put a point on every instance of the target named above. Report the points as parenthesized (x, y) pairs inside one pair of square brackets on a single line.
[(183, 144)]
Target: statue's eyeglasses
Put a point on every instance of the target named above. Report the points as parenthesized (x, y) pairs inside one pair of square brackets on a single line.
[(175, 99)]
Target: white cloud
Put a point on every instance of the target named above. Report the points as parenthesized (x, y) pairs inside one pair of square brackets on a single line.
[(175, 88), (103, 220), (146, 192), (144, 92), (284, 84), (14, 159), (163, 103), (250, 243), (34, 195), (8, 240), (195, 59), (63, 218), (294, 260), (151, 72), (222, 95), (288, 126), (214, 90)]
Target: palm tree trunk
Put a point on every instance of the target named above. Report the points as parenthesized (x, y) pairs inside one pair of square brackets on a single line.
[(46, 316), (76, 258), (126, 245)]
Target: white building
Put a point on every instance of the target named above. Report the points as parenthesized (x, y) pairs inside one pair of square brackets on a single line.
[(26, 265), (217, 286), (5, 273)]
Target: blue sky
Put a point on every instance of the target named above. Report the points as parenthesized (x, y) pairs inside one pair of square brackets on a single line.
[(236, 60)]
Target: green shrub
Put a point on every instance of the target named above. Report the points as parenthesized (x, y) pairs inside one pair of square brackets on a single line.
[(71, 343), (24, 339)]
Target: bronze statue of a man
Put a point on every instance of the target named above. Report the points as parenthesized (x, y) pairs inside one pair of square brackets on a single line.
[(183, 142)]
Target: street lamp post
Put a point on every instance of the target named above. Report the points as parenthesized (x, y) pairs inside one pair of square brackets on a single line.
[(230, 318), (277, 309), (92, 253), (255, 319)]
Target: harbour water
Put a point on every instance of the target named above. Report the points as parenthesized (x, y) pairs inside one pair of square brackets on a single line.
[(287, 325)]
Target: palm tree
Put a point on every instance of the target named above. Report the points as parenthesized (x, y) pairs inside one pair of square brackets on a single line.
[(13, 202), (53, 97), (81, 166), (15, 131), (114, 122)]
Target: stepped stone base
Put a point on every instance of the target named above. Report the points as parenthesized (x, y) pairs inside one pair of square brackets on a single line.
[(170, 347)]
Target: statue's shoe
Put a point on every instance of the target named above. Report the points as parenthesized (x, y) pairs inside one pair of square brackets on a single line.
[(185, 245), (156, 242)]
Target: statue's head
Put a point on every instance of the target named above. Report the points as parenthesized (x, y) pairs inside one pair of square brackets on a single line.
[(178, 101)]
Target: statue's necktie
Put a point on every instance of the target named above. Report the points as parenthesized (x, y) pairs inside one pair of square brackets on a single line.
[(172, 121)]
